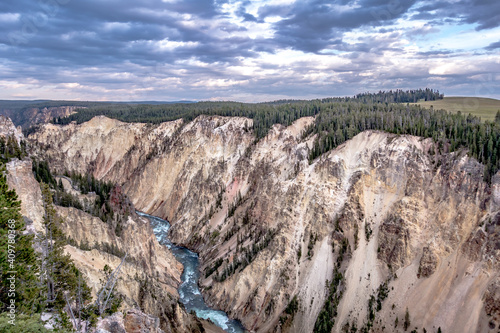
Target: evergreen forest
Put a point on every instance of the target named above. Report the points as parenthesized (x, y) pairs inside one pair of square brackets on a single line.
[(336, 120)]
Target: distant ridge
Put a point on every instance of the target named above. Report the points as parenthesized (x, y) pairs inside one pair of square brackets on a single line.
[(13, 103), (156, 102)]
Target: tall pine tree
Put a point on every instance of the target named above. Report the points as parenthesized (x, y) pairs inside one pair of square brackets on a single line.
[(22, 264), (60, 276)]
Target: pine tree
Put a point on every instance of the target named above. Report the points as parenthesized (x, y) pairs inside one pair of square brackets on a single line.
[(406, 323), (60, 276), (60, 185), (16, 254)]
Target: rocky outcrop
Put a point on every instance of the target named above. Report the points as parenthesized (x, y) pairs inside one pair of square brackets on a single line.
[(269, 225), (20, 177), (30, 116), (136, 321), (492, 300), (428, 262), (7, 129), (394, 243), (133, 321), (112, 323)]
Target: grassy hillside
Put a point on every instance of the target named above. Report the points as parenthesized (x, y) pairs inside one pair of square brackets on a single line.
[(486, 108)]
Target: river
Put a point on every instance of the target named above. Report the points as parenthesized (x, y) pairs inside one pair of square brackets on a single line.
[(189, 292)]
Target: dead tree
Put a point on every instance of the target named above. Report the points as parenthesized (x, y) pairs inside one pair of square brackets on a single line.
[(105, 293)]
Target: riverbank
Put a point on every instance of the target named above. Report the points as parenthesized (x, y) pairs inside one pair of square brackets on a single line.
[(189, 293)]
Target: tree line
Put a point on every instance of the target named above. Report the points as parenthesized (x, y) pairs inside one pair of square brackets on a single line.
[(265, 115), (337, 120), (100, 207), (400, 96)]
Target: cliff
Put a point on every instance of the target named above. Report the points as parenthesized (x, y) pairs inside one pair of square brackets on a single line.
[(30, 116), (386, 210), (20, 177), (7, 128), (149, 277)]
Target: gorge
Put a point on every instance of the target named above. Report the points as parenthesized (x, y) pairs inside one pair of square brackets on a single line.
[(274, 232), (189, 292)]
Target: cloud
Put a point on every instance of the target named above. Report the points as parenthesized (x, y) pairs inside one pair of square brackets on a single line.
[(484, 13), (251, 50), (313, 26), (493, 46), (422, 32)]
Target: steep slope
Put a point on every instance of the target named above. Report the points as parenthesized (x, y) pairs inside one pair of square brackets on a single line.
[(380, 210), (7, 128), (149, 277), (20, 178), (26, 116)]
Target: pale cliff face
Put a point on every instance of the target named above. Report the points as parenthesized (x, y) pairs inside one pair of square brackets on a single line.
[(148, 279), (432, 221), (150, 276), (20, 177), (7, 128), (28, 117)]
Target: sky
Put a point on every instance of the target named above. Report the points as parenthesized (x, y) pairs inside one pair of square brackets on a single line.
[(248, 51)]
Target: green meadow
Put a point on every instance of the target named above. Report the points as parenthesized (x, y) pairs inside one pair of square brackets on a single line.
[(486, 108)]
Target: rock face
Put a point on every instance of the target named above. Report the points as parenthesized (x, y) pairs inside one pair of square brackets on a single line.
[(7, 128), (428, 262), (31, 116), (136, 322), (20, 177), (44, 115), (133, 321), (147, 259), (268, 225), (150, 276)]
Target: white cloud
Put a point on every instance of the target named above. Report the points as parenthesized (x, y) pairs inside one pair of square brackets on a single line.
[(166, 44), (174, 50), (116, 25), (9, 17)]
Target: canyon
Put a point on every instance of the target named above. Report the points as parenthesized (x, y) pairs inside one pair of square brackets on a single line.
[(387, 210), (149, 277), (30, 115)]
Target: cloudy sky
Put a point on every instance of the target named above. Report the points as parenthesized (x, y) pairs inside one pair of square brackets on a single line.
[(246, 50)]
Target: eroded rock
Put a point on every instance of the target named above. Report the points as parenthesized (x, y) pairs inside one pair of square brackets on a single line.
[(428, 262), (394, 239)]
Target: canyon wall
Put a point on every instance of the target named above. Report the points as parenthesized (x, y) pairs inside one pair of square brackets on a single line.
[(381, 210), (31, 116), (150, 276)]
